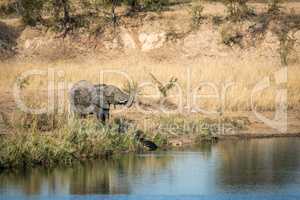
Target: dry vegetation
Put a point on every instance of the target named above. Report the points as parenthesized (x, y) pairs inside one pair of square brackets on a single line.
[(242, 66), (205, 44), (244, 75)]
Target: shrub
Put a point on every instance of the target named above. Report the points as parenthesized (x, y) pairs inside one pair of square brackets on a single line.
[(7, 8), (31, 10), (231, 36), (98, 26), (196, 13), (164, 88), (154, 5), (238, 9), (77, 140), (273, 6), (217, 20), (286, 47), (134, 5)]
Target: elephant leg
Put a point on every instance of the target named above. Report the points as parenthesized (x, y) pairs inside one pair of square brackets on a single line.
[(83, 116), (103, 115), (78, 115)]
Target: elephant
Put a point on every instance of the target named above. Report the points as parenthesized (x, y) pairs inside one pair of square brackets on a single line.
[(86, 98)]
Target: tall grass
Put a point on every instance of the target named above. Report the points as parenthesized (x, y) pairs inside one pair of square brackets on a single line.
[(86, 139), (76, 141), (243, 73)]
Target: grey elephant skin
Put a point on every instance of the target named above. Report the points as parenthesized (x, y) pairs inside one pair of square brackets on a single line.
[(86, 98)]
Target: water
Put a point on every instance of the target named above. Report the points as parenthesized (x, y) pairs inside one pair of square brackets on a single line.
[(236, 169)]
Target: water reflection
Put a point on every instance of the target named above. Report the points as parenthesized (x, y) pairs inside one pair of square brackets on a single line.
[(257, 162), (242, 166), (99, 177)]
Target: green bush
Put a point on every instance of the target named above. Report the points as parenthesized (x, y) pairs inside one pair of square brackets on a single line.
[(77, 140), (286, 47), (231, 36), (238, 9), (8, 8), (31, 11), (69, 15), (217, 20), (133, 4), (273, 6), (154, 5), (196, 13)]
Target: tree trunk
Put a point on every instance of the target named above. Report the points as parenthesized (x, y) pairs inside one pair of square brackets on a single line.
[(66, 12)]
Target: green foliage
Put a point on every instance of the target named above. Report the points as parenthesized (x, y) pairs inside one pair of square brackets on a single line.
[(24, 150), (69, 15), (154, 5), (160, 139), (133, 4), (238, 9), (196, 13), (64, 15), (23, 83), (217, 20), (8, 8), (286, 47), (273, 6), (77, 140), (31, 11), (178, 125)]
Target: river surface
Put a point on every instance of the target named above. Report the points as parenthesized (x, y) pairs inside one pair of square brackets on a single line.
[(233, 169)]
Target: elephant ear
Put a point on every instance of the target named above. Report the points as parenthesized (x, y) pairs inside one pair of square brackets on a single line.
[(101, 99), (82, 96)]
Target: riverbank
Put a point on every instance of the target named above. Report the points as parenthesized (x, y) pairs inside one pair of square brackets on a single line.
[(35, 143), (49, 141), (58, 139)]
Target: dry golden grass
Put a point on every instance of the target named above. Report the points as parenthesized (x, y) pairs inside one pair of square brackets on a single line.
[(243, 74)]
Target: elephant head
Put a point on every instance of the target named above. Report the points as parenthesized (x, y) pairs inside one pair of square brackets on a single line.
[(112, 95)]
